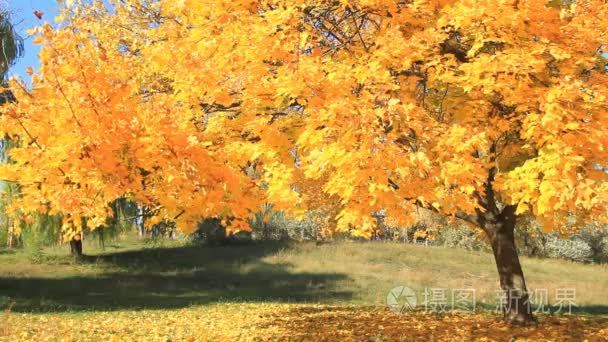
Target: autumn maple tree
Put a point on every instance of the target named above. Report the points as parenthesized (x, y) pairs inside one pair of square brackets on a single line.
[(478, 110)]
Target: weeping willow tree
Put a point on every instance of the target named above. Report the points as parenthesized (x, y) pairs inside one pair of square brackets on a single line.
[(11, 48), (11, 44)]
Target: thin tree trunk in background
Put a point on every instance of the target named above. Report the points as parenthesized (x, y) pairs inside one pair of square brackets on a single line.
[(10, 230), (516, 304), (140, 221)]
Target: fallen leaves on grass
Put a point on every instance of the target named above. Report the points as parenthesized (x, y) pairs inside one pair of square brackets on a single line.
[(364, 324), (253, 322)]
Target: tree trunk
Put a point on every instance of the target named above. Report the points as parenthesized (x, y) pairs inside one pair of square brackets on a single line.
[(500, 229), (10, 230), (140, 221), (76, 247)]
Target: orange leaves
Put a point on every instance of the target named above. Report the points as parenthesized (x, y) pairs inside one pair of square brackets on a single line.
[(211, 110), (223, 98), (115, 131)]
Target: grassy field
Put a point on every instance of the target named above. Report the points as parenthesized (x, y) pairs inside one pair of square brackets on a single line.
[(180, 291)]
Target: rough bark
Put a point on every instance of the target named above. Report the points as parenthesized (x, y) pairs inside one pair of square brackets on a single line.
[(500, 230)]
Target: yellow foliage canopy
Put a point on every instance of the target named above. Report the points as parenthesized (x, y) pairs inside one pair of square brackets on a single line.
[(203, 108)]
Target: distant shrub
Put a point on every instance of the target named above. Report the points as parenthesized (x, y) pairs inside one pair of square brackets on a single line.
[(590, 243), (460, 237), (569, 249), (266, 225), (596, 237), (272, 225)]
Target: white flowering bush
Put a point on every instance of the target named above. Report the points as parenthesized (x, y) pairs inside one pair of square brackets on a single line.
[(570, 249)]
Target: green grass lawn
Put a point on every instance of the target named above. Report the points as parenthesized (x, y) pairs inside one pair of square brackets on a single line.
[(132, 276)]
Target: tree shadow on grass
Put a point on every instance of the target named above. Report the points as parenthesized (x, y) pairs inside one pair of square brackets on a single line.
[(601, 310), (162, 278)]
